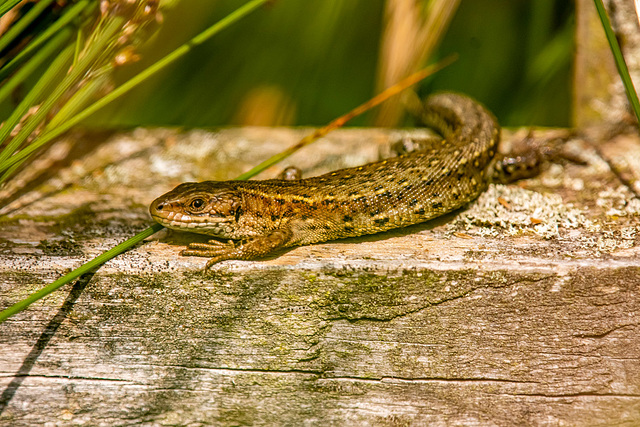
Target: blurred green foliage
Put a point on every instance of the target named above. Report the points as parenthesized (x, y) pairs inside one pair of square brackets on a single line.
[(515, 56), (322, 57), (321, 54)]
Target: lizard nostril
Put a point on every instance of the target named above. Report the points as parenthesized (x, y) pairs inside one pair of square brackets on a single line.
[(159, 206)]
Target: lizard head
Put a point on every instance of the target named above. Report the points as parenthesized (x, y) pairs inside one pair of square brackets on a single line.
[(208, 207)]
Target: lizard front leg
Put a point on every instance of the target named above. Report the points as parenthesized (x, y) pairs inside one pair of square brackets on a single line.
[(248, 249)]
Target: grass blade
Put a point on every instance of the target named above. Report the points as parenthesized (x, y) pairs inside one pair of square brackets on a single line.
[(80, 99), (51, 133), (85, 268), (340, 121), (619, 59), (22, 23), (54, 28), (7, 6), (30, 66), (77, 72), (393, 90), (32, 98), (12, 164)]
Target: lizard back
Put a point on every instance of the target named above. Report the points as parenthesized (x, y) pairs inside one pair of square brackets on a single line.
[(412, 188), (391, 193)]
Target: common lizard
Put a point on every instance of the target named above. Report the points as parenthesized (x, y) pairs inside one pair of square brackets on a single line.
[(260, 217)]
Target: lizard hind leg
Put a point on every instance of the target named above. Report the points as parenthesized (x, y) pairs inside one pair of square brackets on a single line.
[(529, 156), (507, 169)]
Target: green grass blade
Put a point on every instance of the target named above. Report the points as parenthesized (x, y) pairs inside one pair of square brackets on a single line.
[(80, 99), (52, 133), (70, 14), (77, 72), (7, 6), (8, 172), (46, 81), (157, 227), (52, 46), (23, 23), (101, 259), (619, 59), (85, 268)]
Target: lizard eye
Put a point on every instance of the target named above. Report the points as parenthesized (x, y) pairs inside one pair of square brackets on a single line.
[(197, 203)]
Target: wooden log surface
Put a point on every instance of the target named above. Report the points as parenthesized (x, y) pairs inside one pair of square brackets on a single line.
[(521, 309)]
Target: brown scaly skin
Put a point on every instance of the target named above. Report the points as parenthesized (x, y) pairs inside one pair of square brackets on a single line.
[(259, 217)]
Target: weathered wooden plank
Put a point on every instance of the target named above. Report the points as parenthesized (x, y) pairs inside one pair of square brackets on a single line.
[(506, 322)]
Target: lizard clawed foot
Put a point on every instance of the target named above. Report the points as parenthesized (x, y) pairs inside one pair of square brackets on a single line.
[(242, 249), (215, 250)]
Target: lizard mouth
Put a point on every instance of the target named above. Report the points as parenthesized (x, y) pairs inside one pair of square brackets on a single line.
[(179, 221)]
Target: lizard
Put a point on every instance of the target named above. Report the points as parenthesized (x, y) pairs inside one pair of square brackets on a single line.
[(257, 218)]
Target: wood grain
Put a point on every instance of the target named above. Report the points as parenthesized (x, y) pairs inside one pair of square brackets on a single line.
[(513, 326)]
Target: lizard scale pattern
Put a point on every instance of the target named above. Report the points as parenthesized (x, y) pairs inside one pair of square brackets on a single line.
[(260, 217)]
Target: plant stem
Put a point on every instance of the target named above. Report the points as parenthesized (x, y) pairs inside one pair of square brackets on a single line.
[(77, 72), (30, 66), (619, 59), (52, 133), (85, 268), (32, 97), (23, 23), (50, 31), (63, 127), (340, 121), (7, 6)]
